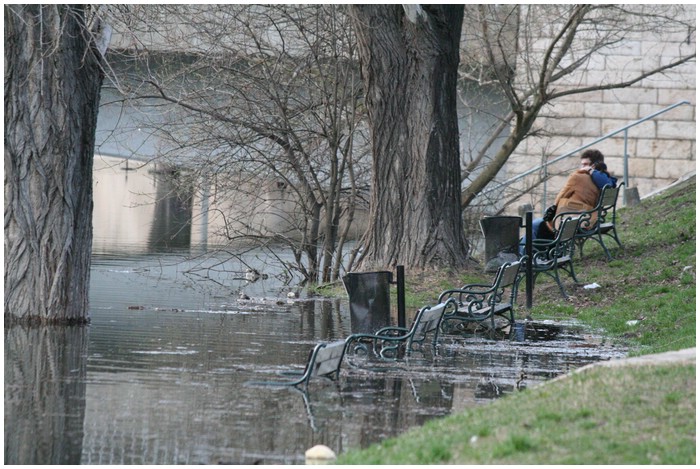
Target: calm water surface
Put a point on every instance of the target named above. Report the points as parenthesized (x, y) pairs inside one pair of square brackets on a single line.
[(160, 375)]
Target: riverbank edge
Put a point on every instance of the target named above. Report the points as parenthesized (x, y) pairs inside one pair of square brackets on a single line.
[(685, 357), (589, 416), (674, 357)]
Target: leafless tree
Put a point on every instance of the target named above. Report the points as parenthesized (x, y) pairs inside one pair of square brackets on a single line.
[(271, 94), (264, 109), (53, 75), (516, 62), (537, 54)]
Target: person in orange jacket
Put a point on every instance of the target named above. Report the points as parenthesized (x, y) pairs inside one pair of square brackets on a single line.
[(580, 193)]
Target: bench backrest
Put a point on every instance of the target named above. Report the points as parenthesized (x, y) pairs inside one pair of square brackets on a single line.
[(548, 254), (568, 229), (592, 219), (427, 321), (509, 274), (608, 198), (326, 359), (506, 276), (608, 203), (564, 243)]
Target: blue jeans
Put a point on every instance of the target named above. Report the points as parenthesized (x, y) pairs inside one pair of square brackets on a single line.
[(535, 229)]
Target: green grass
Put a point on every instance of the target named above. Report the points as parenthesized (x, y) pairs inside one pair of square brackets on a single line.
[(651, 280), (647, 295), (635, 415), (629, 415)]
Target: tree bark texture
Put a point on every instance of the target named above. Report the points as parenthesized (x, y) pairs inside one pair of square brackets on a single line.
[(409, 67), (53, 77)]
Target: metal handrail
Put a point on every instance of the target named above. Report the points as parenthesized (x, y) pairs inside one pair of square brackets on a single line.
[(583, 147)]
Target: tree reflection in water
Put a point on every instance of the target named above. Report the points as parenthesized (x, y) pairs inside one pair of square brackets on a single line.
[(45, 383), (159, 375)]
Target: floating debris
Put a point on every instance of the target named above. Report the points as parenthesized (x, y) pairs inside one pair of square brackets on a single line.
[(252, 275)]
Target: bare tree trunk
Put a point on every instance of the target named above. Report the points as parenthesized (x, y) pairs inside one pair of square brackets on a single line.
[(409, 65), (53, 77)]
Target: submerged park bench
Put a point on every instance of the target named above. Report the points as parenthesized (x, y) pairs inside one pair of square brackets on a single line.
[(480, 303), (392, 341), (324, 360)]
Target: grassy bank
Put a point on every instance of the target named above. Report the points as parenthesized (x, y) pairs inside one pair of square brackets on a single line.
[(630, 415), (640, 415)]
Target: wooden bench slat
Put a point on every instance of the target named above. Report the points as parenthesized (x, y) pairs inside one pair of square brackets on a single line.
[(328, 359)]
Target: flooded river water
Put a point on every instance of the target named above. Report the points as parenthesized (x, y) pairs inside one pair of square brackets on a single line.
[(160, 375)]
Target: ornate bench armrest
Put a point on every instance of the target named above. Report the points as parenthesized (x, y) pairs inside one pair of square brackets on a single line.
[(467, 293), (391, 331)]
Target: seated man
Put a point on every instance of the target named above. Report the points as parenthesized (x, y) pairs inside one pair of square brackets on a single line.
[(580, 193)]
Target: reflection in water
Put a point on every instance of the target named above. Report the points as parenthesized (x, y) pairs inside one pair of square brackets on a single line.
[(137, 208), (172, 215), (45, 372), (171, 348), (169, 387)]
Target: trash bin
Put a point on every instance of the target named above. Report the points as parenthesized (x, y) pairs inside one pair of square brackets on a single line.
[(501, 238), (370, 300)]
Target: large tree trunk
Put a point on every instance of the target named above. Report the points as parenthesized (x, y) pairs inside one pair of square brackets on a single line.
[(53, 77), (409, 66)]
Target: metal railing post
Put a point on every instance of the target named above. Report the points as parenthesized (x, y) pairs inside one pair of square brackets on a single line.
[(624, 129), (626, 168), (544, 186)]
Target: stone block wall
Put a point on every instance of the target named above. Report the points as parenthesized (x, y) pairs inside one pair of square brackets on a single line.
[(659, 151)]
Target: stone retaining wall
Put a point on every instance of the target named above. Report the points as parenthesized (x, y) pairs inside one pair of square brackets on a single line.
[(660, 151)]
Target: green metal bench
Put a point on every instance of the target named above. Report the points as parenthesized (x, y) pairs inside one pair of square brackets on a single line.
[(480, 303), (324, 360), (392, 342), (598, 222), (551, 256)]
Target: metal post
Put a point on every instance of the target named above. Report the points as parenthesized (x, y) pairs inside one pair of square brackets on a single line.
[(400, 295), (544, 188), (205, 214), (528, 263), (625, 174)]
